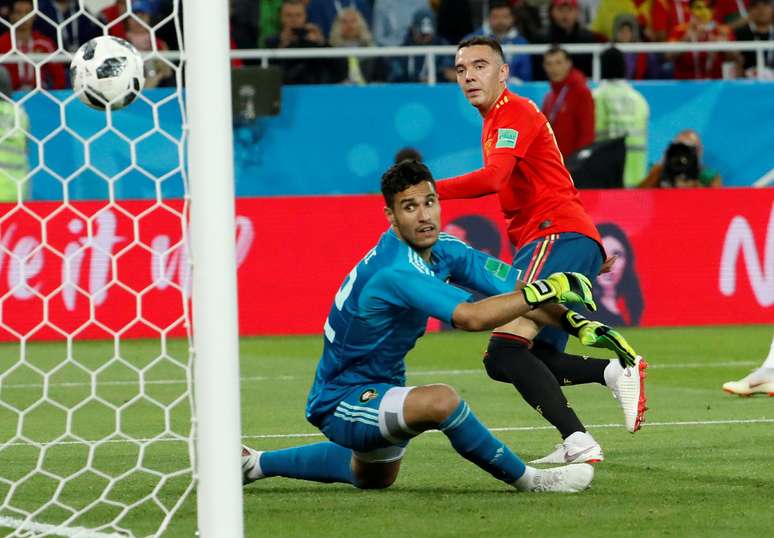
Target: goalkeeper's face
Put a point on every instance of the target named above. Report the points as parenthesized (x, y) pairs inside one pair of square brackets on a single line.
[(415, 216)]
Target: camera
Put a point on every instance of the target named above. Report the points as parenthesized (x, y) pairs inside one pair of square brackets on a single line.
[(681, 162)]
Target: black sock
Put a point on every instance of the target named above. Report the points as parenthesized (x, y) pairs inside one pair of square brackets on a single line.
[(570, 369), (508, 359)]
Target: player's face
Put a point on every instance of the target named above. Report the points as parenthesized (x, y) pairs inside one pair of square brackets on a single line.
[(481, 75), (415, 216)]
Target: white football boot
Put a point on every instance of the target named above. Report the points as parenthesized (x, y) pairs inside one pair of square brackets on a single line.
[(628, 387), (761, 381), (251, 465), (567, 479), (580, 447)]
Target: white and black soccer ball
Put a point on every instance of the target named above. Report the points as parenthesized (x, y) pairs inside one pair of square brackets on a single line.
[(107, 71)]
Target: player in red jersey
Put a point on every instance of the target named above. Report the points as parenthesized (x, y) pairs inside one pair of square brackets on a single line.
[(552, 232)]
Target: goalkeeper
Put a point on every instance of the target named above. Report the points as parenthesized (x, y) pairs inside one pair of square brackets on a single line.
[(359, 400)]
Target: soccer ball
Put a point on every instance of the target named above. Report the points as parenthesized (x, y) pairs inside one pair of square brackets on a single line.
[(107, 72)]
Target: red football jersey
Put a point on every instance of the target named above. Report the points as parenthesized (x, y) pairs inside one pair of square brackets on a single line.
[(522, 164)]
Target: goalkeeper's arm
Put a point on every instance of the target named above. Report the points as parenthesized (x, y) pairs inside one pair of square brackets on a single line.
[(596, 334), (590, 333), (495, 311)]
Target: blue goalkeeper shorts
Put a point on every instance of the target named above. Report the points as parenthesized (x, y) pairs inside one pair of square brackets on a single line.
[(554, 253), (368, 419)]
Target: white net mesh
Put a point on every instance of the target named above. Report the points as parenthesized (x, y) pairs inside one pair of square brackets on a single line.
[(95, 399)]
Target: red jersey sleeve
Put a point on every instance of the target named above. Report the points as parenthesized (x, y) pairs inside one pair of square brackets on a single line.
[(486, 180)]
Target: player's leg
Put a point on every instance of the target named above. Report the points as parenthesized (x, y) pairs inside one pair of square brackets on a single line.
[(761, 381), (318, 462), (440, 407), (356, 454), (575, 252), (509, 358)]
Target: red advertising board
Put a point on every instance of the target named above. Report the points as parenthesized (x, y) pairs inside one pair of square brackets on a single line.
[(89, 270)]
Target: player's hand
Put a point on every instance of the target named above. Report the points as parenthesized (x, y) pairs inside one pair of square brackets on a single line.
[(595, 334), (560, 288), (608, 264)]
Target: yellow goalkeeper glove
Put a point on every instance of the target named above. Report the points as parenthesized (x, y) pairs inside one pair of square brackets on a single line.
[(560, 288), (596, 334)]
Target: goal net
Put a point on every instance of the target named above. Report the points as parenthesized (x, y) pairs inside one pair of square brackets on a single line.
[(95, 349)]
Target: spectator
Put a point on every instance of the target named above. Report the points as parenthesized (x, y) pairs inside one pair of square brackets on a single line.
[(501, 26), (53, 75), (351, 30), (759, 28), (13, 144), (639, 65), (269, 20), (455, 19), (607, 13), (324, 12), (666, 15), (566, 29), (78, 29), (244, 20), (392, 20), (408, 154), (5, 12), (620, 110), (298, 33), (569, 105), (137, 29), (533, 19), (682, 165), (732, 13), (414, 68), (699, 28)]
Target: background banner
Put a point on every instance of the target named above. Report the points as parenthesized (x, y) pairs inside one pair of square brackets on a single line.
[(355, 131), (687, 257)]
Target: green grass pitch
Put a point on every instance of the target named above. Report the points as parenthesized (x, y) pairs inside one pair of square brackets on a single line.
[(701, 465)]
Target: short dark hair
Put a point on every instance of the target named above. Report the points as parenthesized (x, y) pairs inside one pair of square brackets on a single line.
[(499, 4), (613, 64), (401, 176), (408, 154), (483, 40), (557, 49)]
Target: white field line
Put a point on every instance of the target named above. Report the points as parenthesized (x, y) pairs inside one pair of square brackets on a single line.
[(53, 530), (746, 421), (419, 373), (549, 427)]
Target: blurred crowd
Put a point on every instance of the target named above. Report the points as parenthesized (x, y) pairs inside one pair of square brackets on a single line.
[(369, 23), (280, 24)]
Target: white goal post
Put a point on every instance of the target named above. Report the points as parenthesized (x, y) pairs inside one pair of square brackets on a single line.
[(211, 177)]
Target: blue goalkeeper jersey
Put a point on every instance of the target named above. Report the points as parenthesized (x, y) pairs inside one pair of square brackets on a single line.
[(382, 307)]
